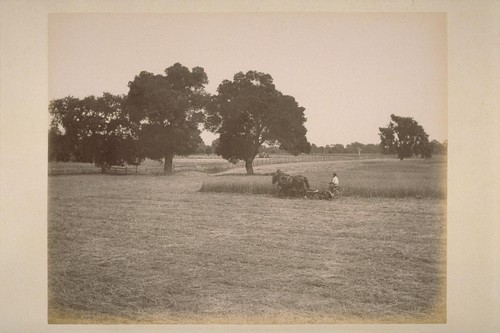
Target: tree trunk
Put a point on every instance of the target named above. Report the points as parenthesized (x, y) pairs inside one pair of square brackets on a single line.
[(168, 164), (104, 167), (249, 166)]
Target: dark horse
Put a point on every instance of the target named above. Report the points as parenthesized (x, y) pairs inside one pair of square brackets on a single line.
[(290, 184)]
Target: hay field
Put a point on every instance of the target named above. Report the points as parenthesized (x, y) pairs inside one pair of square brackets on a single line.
[(153, 249), (387, 178)]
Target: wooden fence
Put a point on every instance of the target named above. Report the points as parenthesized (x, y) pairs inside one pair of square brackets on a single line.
[(117, 170)]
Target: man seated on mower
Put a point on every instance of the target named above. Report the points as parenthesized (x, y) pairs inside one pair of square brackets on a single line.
[(334, 184)]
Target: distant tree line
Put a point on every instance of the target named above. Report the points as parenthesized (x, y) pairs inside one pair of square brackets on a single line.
[(435, 148), (351, 148)]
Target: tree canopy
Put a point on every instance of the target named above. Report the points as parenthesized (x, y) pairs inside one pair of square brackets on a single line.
[(92, 129), (405, 137), (168, 110), (248, 112)]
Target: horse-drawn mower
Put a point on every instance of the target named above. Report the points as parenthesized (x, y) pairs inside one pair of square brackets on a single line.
[(298, 186)]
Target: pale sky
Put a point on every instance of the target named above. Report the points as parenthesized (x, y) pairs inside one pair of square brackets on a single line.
[(350, 71)]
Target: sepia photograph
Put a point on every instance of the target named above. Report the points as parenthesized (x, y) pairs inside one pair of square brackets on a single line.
[(247, 168)]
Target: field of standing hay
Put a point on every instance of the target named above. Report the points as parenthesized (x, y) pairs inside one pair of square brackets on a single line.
[(386, 178), (154, 249)]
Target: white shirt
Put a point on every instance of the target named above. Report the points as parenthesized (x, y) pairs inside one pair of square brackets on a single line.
[(335, 180)]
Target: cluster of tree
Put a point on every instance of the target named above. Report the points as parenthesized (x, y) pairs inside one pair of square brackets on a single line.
[(352, 148), (92, 129), (161, 115), (406, 138)]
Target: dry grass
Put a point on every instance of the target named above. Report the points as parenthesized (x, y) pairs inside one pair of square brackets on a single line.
[(140, 249)]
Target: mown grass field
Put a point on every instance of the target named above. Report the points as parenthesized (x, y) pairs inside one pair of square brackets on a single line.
[(154, 249)]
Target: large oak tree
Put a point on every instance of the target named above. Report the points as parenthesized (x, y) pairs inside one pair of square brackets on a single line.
[(248, 112), (168, 109)]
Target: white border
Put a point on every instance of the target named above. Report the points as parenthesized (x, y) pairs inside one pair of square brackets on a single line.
[(473, 119)]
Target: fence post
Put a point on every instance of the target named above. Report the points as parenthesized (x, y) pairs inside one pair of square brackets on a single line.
[(125, 169)]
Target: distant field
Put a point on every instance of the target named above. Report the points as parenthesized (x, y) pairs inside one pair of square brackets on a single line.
[(203, 163), (154, 249), (390, 178)]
